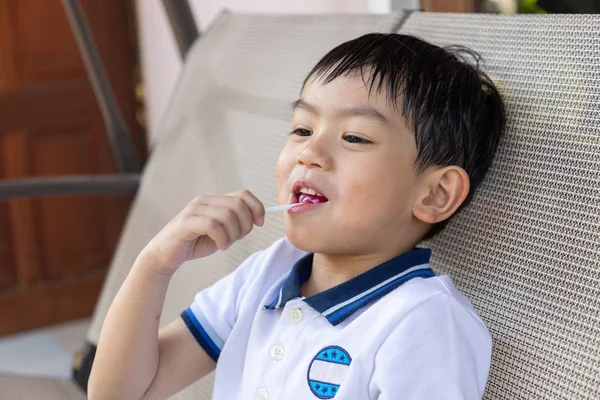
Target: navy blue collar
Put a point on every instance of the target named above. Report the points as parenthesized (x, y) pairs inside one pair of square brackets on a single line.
[(341, 301)]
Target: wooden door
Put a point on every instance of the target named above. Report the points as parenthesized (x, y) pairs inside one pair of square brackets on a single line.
[(460, 6), (54, 252)]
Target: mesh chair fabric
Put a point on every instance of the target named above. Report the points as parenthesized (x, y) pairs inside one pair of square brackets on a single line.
[(527, 250)]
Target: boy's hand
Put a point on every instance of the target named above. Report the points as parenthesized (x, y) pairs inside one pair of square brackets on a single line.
[(207, 224)]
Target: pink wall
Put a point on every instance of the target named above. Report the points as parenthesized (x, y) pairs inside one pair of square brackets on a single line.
[(206, 10)]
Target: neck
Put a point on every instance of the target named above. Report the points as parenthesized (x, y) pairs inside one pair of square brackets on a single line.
[(329, 270)]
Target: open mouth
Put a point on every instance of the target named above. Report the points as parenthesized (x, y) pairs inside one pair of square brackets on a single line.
[(306, 193)]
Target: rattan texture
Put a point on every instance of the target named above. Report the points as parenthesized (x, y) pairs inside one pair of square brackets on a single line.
[(527, 250)]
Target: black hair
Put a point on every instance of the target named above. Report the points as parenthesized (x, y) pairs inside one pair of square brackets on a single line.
[(452, 107)]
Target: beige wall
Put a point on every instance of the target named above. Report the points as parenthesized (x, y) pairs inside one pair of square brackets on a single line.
[(159, 56)]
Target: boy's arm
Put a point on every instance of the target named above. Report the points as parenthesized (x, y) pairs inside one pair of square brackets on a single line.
[(182, 362), (133, 360), (130, 347)]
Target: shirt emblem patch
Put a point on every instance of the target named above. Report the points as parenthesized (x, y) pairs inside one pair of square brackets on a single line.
[(327, 371)]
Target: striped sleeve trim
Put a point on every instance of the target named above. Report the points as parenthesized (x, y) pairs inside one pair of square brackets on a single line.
[(203, 332)]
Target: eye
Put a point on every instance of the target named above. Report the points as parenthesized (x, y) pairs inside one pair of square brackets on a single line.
[(356, 139), (301, 132)]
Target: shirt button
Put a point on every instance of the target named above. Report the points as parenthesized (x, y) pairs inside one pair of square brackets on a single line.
[(295, 315), (277, 352), (261, 394)]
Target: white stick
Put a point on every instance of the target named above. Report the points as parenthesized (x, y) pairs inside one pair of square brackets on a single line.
[(283, 207)]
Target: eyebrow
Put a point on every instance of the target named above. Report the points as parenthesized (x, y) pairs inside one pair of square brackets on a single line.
[(357, 111)]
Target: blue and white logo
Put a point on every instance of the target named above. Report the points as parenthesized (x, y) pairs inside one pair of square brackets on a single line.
[(327, 371)]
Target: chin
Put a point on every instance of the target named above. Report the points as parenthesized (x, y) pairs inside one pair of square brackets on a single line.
[(307, 239), (315, 240)]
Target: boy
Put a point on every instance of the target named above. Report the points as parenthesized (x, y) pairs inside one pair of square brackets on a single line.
[(390, 138)]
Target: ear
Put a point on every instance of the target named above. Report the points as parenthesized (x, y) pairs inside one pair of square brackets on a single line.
[(444, 190)]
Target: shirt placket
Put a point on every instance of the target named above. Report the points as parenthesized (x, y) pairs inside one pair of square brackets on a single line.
[(295, 317)]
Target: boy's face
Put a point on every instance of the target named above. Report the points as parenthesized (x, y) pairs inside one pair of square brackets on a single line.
[(359, 156)]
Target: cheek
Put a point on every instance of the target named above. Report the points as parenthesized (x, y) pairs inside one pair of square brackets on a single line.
[(379, 191), (284, 166)]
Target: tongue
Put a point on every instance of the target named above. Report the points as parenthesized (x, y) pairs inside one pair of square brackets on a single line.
[(311, 199)]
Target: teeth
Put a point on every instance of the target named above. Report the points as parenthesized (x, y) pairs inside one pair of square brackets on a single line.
[(308, 191)]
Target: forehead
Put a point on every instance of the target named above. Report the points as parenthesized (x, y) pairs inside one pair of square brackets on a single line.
[(350, 90)]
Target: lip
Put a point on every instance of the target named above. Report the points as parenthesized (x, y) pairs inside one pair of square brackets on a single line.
[(304, 183), (301, 208)]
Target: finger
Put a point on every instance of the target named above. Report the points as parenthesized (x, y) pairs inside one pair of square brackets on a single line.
[(204, 225), (227, 217), (238, 201), (255, 205), (244, 214), (240, 207)]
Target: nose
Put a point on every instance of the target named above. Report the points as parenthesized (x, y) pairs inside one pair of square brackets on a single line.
[(315, 153)]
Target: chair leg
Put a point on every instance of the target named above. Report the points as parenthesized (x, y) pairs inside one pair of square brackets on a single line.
[(118, 134)]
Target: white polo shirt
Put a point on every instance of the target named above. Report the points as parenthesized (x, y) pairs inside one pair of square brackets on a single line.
[(396, 331)]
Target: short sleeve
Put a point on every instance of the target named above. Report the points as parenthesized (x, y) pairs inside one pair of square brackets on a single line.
[(440, 350), (213, 313)]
